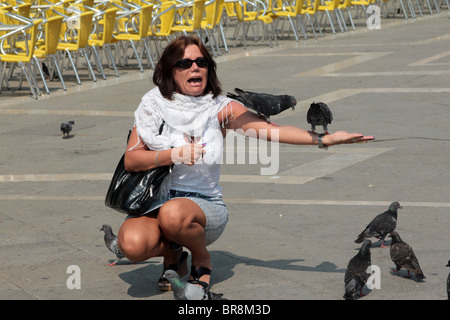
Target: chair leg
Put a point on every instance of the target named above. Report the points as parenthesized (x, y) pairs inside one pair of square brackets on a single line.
[(350, 18), (224, 40), (149, 53), (137, 56), (294, 29), (28, 76), (113, 63), (318, 24), (38, 66), (311, 24), (97, 62), (73, 66), (299, 21), (59, 72), (331, 21)]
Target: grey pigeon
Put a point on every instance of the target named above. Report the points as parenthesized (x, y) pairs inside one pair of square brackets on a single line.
[(264, 104), (356, 274), (66, 127), (448, 281), (319, 114), (381, 225), (403, 256), (183, 290), (111, 243)]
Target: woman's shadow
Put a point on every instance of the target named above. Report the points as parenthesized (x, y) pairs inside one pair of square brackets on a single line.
[(143, 281)]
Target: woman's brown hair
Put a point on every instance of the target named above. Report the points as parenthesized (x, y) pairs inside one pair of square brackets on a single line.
[(163, 78)]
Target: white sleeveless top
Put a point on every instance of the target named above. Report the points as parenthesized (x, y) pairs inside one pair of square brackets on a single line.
[(203, 176), (185, 116)]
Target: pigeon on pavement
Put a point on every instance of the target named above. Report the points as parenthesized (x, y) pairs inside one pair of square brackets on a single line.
[(356, 274), (448, 281), (183, 290), (111, 243), (264, 104), (403, 256), (319, 114), (381, 225), (66, 127)]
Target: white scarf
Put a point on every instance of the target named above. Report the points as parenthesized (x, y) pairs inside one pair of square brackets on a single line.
[(186, 114)]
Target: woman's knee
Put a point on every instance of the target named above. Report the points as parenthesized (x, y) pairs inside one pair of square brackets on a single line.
[(137, 244), (177, 214)]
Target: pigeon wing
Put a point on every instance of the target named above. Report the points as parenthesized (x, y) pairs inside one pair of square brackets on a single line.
[(326, 111)]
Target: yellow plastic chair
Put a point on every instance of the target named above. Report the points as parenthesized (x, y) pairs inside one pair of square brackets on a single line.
[(137, 34), (311, 8), (47, 49), (211, 22), (162, 23), (248, 17), (22, 58), (346, 5), (331, 6), (292, 9), (194, 23), (78, 43), (104, 38)]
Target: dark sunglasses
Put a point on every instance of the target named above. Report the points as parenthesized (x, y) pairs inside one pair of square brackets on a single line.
[(187, 63)]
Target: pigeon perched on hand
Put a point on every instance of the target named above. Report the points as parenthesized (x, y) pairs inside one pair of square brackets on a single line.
[(66, 127), (403, 256), (183, 290), (319, 114), (448, 281), (356, 274), (264, 104), (111, 243), (381, 225)]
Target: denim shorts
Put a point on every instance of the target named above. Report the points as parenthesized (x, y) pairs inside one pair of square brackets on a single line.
[(215, 211), (214, 208)]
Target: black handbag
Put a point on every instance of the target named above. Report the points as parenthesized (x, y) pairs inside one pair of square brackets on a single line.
[(134, 192)]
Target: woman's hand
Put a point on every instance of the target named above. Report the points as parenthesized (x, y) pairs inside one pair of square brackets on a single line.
[(188, 154), (342, 137)]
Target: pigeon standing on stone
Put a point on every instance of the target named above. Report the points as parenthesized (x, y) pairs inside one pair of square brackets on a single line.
[(403, 256), (319, 114), (111, 243), (183, 290), (264, 104), (381, 225), (356, 274), (448, 281), (66, 127)]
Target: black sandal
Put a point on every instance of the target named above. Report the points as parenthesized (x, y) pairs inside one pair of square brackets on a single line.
[(196, 274), (180, 267)]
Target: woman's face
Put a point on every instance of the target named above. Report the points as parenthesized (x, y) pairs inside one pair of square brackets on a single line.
[(191, 81)]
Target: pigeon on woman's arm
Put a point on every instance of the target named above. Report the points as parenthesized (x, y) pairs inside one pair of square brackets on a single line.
[(264, 104), (319, 114)]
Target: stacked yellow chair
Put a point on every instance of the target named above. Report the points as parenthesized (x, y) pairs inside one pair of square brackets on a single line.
[(104, 38), (292, 10), (22, 58), (47, 49), (191, 21), (211, 23), (135, 36), (331, 6)]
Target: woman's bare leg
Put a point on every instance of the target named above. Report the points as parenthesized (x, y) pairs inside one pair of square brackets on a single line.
[(183, 222)]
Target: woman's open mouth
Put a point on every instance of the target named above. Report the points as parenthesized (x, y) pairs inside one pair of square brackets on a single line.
[(195, 80)]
